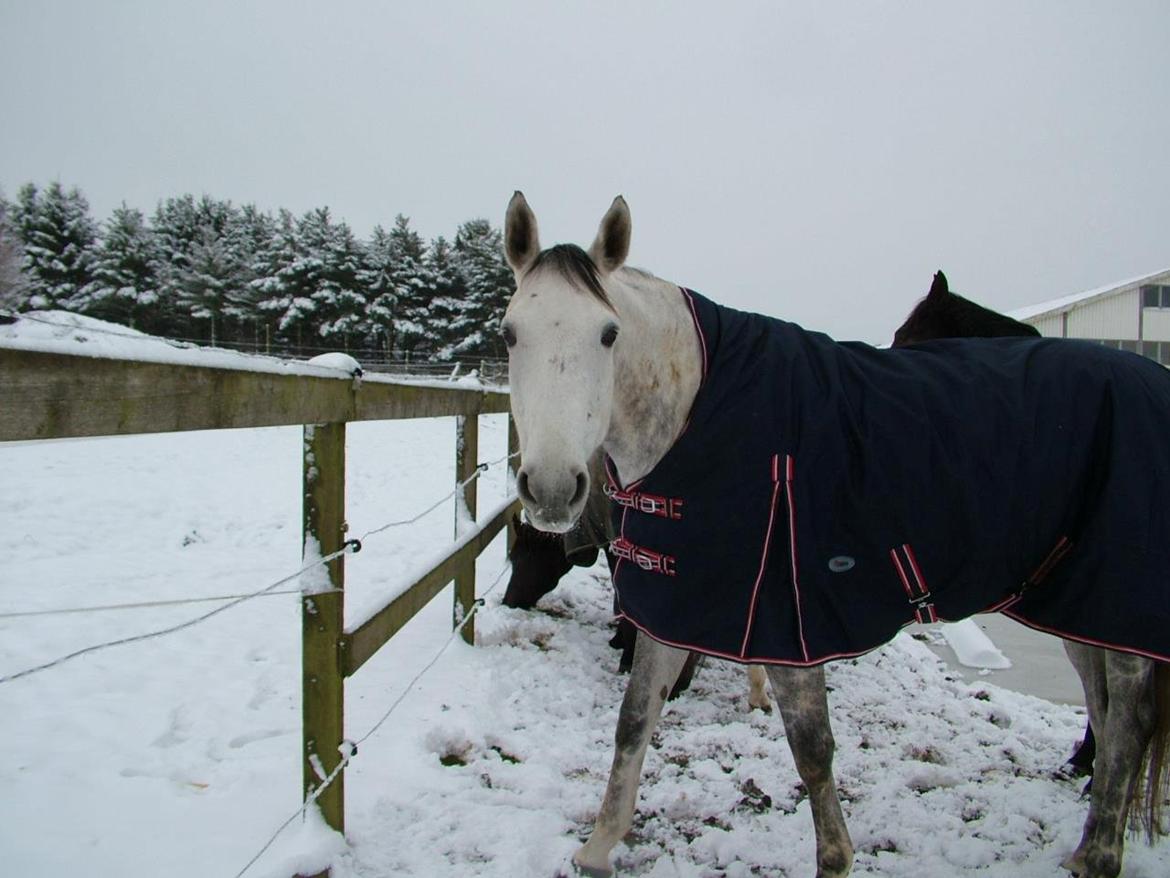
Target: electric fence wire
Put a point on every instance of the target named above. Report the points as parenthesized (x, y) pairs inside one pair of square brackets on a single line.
[(349, 748), (352, 545)]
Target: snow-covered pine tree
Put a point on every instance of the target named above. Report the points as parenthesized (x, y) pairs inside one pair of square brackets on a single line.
[(210, 281), (377, 279), (124, 289), (255, 233), (430, 322), (275, 283), (175, 225), (58, 235), (341, 300), (314, 292), (478, 257), (195, 267), (13, 289), (395, 278)]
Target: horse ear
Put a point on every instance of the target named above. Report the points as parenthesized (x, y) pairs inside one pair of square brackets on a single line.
[(521, 242), (612, 245), (939, 288)]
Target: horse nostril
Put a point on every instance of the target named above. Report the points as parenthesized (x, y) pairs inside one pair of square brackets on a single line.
[(522, 487), (582, 489)]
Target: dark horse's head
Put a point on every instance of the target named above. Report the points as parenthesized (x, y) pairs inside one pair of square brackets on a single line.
[(538, 563), (539, 560), (943, 314)]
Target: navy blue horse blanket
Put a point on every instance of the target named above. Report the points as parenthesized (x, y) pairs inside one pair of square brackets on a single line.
[(824, 495)]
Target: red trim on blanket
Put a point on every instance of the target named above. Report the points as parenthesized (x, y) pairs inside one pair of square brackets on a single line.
[(790, 495), (747, 631), (698, 328), (748, 660)]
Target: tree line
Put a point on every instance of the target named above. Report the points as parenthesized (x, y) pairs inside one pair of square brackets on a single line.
[(207, 270)]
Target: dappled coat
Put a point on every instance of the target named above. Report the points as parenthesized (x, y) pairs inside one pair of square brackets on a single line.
[(824, 495)]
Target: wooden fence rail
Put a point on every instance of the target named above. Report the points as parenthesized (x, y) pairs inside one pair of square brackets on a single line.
[(50, 395)]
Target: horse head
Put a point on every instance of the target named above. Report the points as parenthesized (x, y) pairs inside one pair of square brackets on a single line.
[(561, 329), (943, 314)]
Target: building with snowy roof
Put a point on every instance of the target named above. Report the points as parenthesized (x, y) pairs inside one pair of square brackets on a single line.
[(1133, 315)]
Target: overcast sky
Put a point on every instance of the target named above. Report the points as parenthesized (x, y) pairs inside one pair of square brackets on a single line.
[(814, 161)]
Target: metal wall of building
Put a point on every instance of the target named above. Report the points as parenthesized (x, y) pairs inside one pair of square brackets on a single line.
[(1110, 317)]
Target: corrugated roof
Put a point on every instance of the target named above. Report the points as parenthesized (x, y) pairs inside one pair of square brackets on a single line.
[(1066, 303)]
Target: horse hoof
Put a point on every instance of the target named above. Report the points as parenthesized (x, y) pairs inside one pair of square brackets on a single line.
[(1074, 863)]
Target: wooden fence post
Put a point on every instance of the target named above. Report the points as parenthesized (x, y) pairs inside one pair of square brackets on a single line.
[(466, 460), (322, 681)]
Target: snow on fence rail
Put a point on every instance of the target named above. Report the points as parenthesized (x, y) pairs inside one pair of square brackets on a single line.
[(56, 395)]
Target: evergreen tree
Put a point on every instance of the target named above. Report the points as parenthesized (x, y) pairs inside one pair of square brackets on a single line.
[(13, 289), (209, 282), (434, 315), (478, 256), (58, 236), (176, 228), (395, 276), (196, 269), (124, 288), (277, 295), (254, 236), (341, 301), (377, 278), (314, 291)]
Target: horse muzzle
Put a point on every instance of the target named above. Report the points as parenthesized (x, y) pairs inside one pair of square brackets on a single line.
[(553, 500)]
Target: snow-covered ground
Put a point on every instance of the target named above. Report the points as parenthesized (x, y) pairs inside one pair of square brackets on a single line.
[(179, 756)]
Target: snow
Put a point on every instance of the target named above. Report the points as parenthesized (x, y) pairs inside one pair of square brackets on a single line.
[(62, 332), (337, 360), (180, 755), (972, 647)]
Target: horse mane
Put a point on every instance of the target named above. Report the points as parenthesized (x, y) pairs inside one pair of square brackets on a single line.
[(574, 265)]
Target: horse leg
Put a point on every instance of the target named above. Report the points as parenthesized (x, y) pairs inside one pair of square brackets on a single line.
[(1120, 697), (757, 693), (804, 706), (656, 667)]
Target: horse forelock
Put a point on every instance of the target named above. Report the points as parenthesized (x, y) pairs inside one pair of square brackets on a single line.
[(574, 265)]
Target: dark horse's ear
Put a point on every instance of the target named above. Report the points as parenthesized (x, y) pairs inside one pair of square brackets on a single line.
[(521, 242), (938, 289), (612, 245)]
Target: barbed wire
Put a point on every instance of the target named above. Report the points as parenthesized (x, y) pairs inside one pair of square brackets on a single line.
[(351, 545), (349, 748)]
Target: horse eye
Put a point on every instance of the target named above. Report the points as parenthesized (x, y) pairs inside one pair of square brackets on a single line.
[(609, 336), (509, 334)]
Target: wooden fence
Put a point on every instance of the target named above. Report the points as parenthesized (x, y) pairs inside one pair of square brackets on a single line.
[(55, 396)]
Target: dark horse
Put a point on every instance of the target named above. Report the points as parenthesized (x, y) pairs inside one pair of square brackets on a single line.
[(943, 314)]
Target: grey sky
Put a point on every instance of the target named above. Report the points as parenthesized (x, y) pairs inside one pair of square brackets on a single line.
[(813, 161)]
